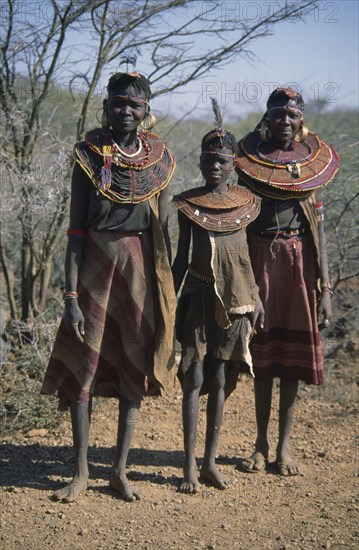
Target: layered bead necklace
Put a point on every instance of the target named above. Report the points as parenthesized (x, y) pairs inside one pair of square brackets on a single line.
[(121, 176), (114, 154), (129, 155)]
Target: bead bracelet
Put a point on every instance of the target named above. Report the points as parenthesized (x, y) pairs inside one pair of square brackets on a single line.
[(70, 295), (325, 287)]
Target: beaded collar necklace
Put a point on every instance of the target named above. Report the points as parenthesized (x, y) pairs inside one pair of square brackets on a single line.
[(311, 164), (125, 179), (222, 212), (292, 166), (114, 154), (277, 162)]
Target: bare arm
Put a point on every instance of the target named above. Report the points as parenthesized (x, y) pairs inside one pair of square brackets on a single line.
[(73, 317), (259, 313), (180, 264), (163, 217), (324, 304)]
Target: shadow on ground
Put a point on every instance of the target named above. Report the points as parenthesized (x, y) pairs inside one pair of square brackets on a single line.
[(34, 466)]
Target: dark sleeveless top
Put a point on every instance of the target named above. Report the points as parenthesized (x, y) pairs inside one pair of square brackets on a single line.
[(106, 215), (279, 215)]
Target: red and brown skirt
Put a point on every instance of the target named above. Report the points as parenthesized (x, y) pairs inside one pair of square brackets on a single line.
[(289, 346), (118, 298)]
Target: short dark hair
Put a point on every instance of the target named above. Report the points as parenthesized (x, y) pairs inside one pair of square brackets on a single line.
[(139, 82)]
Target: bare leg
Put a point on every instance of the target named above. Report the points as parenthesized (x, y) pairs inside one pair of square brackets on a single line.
[(288, 393), (80, 419), (128, 412), (192, 383), (215, 405), (263, 402)]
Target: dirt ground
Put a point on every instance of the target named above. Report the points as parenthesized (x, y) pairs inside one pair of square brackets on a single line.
[(318, 509)]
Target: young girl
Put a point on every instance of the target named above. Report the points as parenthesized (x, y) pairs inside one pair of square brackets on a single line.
[(217, 308)]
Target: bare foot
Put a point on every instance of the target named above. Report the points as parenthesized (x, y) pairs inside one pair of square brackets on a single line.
[(212, 475), (189, 484), (70, 492), (255, 464), (123, 487), (286, 465)]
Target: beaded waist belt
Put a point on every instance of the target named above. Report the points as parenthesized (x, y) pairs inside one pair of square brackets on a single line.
[(287, 234), (119, 233), (200, 276)]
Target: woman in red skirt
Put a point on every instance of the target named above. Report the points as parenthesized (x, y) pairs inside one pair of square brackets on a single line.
[(286, 166)]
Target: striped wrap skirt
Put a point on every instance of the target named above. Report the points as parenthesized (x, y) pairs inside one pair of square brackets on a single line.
[(118, 298), (289, 345)]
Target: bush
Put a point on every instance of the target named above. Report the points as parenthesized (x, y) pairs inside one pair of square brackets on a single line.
[(23, 366)]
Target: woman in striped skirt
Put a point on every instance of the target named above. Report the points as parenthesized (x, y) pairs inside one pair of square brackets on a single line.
[(286, 166)]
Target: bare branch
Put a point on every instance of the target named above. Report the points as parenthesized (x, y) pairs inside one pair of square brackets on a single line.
[(38, 54)]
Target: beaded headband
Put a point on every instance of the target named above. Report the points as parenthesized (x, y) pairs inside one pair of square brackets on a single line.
[(285, 107), (208, 152), (127, 97)]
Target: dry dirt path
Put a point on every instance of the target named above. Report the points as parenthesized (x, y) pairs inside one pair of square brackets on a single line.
[(316, 510)]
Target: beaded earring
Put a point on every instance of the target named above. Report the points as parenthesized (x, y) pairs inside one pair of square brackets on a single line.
[(148, 122)]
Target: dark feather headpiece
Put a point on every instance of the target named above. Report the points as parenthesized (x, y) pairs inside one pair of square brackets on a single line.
[(219, 137), (128, 60), (217, 113)]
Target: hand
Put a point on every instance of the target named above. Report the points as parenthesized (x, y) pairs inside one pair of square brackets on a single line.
[(324, 310), (259, 314), (74, 320)]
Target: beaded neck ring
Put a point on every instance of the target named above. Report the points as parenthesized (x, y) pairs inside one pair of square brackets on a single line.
[(129, 155), (293, 166), (279, 161)]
